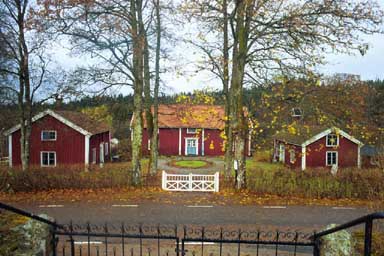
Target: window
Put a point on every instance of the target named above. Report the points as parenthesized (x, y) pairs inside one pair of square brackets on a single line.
[(94, 155), (48, 135), (191, 130), (331, 158), (106, 151), (296, 112), (332, 140), (48, 158), (292, 156), (149, 144)]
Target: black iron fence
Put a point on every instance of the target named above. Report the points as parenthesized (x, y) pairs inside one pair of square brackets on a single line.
[(149, 240)]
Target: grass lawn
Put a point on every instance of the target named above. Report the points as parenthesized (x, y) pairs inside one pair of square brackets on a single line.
[(253, 164), (190, 163)]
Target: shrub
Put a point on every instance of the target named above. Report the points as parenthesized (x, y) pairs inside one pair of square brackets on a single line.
[(319, 183), (113, 175), (377, 243)]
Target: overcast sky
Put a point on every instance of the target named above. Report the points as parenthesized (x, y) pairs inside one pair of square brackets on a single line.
[(369, 66)]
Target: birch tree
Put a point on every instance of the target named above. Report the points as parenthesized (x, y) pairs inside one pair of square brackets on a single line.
[(114, 35), (23, 64), (279, 37)]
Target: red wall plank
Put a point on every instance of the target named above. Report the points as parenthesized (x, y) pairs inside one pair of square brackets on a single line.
[(69, 144), (94, 142)]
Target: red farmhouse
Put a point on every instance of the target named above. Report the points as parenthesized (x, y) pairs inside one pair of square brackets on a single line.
[(190, 130), (317, 147), (62, 138)]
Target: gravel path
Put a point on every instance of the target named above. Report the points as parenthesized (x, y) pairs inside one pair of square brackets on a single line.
[(217, 165)]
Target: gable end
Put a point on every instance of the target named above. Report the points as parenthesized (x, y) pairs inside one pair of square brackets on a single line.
[(329, 131), (57, 117)]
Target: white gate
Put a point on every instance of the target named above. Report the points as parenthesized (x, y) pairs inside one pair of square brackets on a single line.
[(190, 182)]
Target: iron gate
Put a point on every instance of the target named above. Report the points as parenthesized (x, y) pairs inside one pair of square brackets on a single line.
[(163, 240)]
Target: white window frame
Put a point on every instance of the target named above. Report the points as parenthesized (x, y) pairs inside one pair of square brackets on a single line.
[(41, 158), (194, 130), (292, 156), (106, 148), (197, 145), (42, 137), (337, 158), (94, 155), (327, 140), (294, 113)]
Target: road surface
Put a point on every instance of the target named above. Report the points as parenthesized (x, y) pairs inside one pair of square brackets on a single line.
[(154, 213)]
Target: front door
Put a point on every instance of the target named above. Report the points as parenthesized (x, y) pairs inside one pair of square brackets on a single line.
[(191, 145)]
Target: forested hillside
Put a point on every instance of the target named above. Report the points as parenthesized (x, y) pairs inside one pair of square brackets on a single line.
[(357, 107)]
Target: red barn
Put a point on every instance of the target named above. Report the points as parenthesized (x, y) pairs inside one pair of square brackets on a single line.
[(317, 147), (62, 138), (190, 130)]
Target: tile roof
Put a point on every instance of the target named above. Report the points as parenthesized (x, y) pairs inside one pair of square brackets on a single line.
[(301, 135), (191, 116), (84, 121)]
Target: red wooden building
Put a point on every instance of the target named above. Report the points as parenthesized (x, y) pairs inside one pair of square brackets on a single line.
[(190, 130), (313, 147), (62, 138)]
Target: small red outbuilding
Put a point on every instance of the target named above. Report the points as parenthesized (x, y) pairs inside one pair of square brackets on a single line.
[(62, 138), (312, 147), (190, 130)]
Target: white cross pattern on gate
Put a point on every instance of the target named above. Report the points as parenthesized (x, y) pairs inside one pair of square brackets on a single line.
[(190, 182)]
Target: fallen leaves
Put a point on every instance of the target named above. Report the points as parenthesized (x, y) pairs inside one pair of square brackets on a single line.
[(156, 195)]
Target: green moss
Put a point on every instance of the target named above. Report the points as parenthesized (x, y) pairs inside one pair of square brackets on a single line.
[(9, 238)]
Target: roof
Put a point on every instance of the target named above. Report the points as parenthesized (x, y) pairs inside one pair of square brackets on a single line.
[(191, 116), (76, 120), (369, 150), (301, 134), (305, 135)]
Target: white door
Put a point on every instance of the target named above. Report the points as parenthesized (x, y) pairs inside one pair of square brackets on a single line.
[(191, 147)]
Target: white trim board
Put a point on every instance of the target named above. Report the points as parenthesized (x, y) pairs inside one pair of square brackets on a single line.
[(328, 131), (202, 142), (86, 149), (55, 115), (10, 150), (179, 141), (303, 158)]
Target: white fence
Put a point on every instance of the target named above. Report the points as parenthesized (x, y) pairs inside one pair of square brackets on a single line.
[(190, 182)]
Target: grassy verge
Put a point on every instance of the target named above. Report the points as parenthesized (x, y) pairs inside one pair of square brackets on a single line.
[(112, 175), (377, 243), (274, 179)]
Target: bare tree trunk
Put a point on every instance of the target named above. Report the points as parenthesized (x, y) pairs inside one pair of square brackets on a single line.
[(25, 101), (147, 94), (237, 119), (228, 162), (137, 59), (155, 136)]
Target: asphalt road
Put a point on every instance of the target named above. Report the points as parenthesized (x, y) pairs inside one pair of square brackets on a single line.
[(153, 213)]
